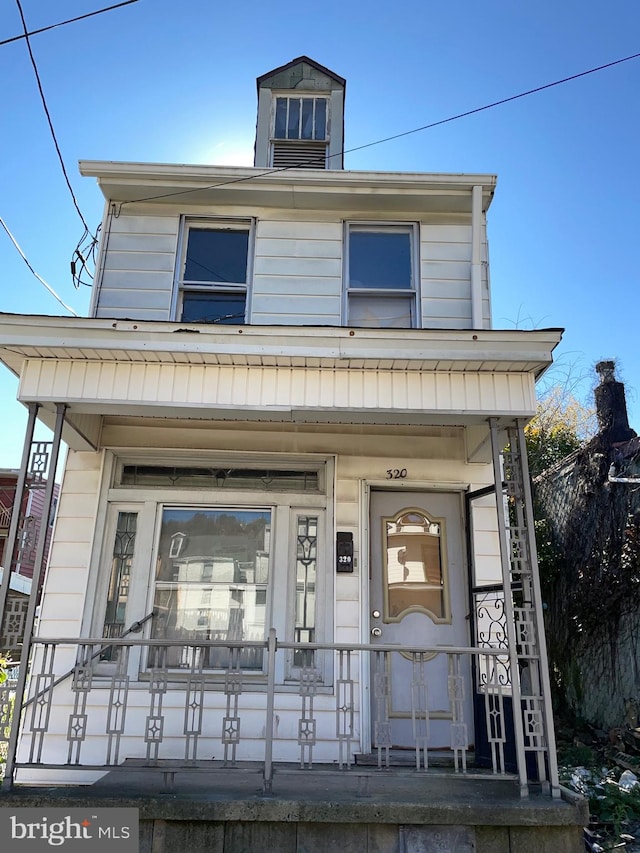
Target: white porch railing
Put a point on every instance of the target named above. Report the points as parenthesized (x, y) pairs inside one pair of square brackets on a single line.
[(158, 704)]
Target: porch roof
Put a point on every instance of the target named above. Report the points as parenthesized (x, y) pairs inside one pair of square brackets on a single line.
[(316, 375), (24, 336)]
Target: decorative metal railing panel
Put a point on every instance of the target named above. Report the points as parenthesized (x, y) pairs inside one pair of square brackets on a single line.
[(102, 712)]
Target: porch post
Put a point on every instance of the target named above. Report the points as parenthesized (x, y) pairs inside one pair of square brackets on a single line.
[(33, 598), (542, 662), (505, 560), (15, 512)]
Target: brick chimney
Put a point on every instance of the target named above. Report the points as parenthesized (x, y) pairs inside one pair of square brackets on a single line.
[(611, 405)]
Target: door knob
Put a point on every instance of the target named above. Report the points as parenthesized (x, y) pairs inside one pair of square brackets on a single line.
[(375, 614), (376, 632)]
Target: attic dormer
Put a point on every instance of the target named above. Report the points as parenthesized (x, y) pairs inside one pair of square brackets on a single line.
[(300, 117)]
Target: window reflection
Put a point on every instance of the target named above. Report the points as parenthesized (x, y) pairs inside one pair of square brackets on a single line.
[(212, 573), (415, 578)]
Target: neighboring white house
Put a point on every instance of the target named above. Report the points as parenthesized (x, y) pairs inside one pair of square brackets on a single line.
[(288, 410)]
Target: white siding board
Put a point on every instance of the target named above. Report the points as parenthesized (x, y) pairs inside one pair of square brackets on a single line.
[(434, 309), (317, 267), (142, 261), (286, 247), (456, 252), (139, 243), (305, 304), (129, 299), (434, 233), (446, 270), (299, 229), (266, 286), (137, 280), (144, 224)]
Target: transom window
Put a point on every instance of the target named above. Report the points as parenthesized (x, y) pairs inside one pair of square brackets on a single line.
[(381, 277), (214, 272)]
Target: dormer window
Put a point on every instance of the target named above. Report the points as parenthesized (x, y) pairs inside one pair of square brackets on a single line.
[(301, 118)]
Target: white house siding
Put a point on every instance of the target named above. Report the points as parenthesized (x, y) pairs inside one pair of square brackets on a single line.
[(297, 276), (445, 252), (201, 389), (138, 266), (296, 269)]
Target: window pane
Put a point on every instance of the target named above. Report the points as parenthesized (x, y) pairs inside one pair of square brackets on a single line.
[(120, 576), (306, 572), (321, 119), (219, 477), (413, 566), (217, 255), (380, 259), (212, 573), (307, 118), (380, 312), (280, 129), (213, 307), (293, 125)]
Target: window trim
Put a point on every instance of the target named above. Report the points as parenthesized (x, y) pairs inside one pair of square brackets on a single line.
[(385, 226), (247, 224)]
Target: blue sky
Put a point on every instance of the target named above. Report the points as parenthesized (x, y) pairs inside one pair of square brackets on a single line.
[(161, 81)]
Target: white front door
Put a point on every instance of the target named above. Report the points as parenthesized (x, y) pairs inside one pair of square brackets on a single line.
[(418, 597)]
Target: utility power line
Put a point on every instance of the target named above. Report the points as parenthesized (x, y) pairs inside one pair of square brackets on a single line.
[(68, 21), (39, 277)]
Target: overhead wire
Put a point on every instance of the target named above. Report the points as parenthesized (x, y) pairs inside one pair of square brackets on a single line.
[(48, 115), (68, 21), (39, 277), (393, 136)]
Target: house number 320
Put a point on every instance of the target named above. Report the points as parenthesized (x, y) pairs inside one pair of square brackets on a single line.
[(396, 473)]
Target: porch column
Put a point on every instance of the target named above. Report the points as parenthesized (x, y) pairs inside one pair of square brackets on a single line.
[(16, 513), (533, 719), (35, 581)]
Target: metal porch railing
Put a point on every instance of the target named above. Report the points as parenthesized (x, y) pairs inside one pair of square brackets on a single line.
[(171, 706)]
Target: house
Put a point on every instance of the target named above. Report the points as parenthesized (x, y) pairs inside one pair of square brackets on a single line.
[(22, 505), (295, 493), (589, 504)]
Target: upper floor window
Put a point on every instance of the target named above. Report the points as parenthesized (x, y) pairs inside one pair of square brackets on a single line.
[(214, 272), (381, 275)]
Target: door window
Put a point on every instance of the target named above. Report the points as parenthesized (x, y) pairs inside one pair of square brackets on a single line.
[(414, 564)]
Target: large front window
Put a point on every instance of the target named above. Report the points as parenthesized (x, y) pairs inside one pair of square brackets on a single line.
[(213, 282), (212, 573), (381, 278), (216, 551)]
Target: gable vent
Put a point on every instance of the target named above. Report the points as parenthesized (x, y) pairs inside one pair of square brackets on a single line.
[(301, 155)]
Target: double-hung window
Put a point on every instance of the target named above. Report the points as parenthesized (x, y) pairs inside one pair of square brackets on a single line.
[(382, 275), (214, 272)]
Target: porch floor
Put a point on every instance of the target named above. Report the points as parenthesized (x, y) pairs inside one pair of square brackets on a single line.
[(361, 809)]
